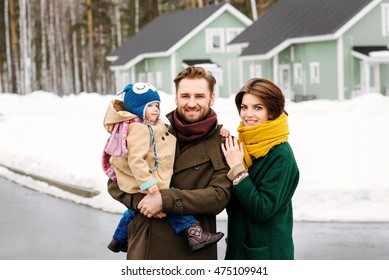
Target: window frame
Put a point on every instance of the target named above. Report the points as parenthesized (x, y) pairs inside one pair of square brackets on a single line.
[(314, 72), (212, 33), (231, 33), (298, 73), (255, 70)]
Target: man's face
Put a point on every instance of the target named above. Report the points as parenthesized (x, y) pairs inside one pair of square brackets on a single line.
[(194, 99)]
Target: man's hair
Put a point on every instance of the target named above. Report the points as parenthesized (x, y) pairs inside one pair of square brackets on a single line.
[(194, 72)]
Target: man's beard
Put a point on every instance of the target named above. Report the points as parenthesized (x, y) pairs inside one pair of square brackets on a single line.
[(186, 121)]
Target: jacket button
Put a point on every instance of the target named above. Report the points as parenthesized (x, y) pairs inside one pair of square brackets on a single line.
[(167, 133), (163, 138), (197, 168), (178, 203)]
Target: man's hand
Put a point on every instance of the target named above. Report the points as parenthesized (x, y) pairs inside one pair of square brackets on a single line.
[(151, 205), (224, 132), (160, 215)]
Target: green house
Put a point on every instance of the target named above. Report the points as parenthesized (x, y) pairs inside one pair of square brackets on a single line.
[(173, 41), (319, 49)]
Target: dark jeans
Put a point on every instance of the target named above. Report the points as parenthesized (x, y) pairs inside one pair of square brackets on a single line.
[(178, 222)]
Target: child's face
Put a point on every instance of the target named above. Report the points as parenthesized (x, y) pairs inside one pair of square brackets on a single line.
[(152, 112)]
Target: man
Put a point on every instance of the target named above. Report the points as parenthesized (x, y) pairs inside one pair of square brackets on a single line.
[(201, 186)]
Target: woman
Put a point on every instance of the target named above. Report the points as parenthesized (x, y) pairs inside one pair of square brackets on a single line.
[(264, 174)]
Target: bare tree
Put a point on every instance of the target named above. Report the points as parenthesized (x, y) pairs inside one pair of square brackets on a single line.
[(117, 24), (7, 48), (60, 46), (63, 83), (254, 9), (263, 5), (136, 16), (14, 47), (44, 73), (52, 44), (90, 45), (84, 64), (25, 70), (31, 46), (76, 74)]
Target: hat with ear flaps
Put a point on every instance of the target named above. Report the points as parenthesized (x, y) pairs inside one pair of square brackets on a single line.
[(137, 96)]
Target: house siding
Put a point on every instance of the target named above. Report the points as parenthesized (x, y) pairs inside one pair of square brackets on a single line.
[(161, 65), (266, 69), (146, 71), (162, 62), (368, 31), (228, 61), (323, 53), (325, 49)]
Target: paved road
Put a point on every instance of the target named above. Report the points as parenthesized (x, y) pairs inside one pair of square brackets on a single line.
[(36, 226)]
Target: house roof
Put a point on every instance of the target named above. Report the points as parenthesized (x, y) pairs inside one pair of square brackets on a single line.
[(192, 62), (373, 54), (164, 32), (296, 19), (366, 50)]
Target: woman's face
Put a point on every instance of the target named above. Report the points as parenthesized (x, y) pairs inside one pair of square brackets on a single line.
[(253, 110)]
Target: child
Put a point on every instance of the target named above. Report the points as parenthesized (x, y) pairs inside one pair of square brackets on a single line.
[(148, 165)]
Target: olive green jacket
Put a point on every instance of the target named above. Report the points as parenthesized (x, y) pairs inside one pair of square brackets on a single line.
[(260, 216)]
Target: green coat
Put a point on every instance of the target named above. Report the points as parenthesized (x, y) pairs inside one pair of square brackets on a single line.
[(260, 217), (201, 189)]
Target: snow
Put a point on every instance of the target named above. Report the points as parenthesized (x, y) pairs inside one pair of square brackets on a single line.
[(342, 149), (379, 54)]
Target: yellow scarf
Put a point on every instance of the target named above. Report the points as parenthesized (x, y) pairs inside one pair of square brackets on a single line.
[(259, 139)]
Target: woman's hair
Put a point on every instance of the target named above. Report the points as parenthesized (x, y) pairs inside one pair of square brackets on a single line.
[(270, 94), (194, 72)]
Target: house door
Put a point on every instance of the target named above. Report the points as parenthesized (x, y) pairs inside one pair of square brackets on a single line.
[(375, 79), (370, 77), (285, 80)]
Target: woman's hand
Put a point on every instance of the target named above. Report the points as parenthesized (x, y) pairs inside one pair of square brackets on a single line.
[(233, 151)]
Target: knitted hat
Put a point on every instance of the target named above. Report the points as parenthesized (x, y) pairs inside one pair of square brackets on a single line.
[(137, 96)]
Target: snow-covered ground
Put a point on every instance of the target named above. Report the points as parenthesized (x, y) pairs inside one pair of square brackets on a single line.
[(342, 149)]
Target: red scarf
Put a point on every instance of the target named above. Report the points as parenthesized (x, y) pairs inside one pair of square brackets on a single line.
[(192, 133)]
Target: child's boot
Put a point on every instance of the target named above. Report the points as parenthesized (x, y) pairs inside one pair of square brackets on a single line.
[(198, 238), (116, 246)]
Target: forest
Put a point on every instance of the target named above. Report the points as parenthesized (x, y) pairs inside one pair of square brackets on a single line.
[(60, 45)]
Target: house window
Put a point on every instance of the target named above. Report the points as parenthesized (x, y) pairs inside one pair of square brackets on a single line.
[(256, 71), (125, 79), (159, 79), (215, 40), (385, 19), (298, 73), (150, 78), (314, 70), (231, 33), (142, 77)]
